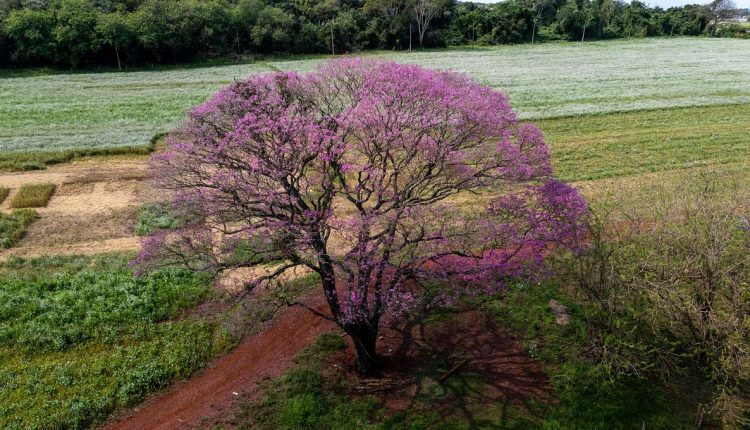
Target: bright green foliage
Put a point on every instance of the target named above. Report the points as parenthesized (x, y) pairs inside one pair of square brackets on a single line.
[(32, 195), (14, 225), (153, 217), (80, 338)]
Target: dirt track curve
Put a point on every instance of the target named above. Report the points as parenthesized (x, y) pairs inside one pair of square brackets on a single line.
[(212, 393)]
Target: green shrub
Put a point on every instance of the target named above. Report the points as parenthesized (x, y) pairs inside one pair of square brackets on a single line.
[(155, 216), (14, 225), (32, 195)]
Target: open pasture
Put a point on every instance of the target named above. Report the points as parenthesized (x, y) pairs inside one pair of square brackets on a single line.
[(122, 111)]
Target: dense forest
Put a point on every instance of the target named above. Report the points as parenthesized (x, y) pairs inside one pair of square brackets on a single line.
[(122, 33)]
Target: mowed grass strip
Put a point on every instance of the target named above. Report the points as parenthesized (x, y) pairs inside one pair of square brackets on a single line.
[(4, 191), (634, 143), (32, 195), (13, 226)]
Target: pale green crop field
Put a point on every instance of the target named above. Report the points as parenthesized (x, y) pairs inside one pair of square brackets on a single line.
[(60, 112)]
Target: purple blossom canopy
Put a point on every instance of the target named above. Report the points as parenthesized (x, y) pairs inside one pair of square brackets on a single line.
[(375, 175)]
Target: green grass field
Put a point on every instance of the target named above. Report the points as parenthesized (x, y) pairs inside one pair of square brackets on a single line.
[(83, 113), (635, 143), (81, 337)]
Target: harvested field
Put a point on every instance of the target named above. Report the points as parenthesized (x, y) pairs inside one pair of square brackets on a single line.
[(93, 210)]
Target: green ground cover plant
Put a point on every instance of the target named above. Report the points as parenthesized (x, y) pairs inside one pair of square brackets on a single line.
[(32, 195), (14, 225), (81, 337), (4, 191)]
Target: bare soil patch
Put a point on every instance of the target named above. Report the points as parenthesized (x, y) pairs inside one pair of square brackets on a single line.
[(94, 208), (63, 228)]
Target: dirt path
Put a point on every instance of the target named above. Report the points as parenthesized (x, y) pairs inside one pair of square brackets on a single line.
[(214, 392)]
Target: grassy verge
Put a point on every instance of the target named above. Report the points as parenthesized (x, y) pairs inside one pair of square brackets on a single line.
[(304, 399), (14, 225), (81, 337), (589, 397), (4, 191), (32, 195), (39, 160), (313, 395)]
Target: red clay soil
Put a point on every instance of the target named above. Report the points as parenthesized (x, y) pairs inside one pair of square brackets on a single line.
[(212, 393)]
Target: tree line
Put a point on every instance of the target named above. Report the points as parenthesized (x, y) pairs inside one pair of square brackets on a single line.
[(121, 33)]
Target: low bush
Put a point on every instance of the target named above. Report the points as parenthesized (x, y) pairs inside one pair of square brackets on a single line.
[(671, 297), (14, 225), (155, 216), (32, 195)]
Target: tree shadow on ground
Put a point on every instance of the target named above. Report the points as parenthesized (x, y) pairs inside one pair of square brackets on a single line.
[(462, 366)]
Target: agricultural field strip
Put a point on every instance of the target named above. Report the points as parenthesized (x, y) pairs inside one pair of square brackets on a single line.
[(99, 110)]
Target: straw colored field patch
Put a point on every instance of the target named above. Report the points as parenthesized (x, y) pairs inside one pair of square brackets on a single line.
[(32, 195)]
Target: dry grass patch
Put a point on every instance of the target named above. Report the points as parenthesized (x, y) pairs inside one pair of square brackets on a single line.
[(4, 191), (33, 195)]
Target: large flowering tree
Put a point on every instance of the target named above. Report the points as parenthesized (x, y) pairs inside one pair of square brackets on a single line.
[(375, 175)]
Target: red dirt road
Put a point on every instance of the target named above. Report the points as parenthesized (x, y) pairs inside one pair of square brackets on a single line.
[(266, 354)]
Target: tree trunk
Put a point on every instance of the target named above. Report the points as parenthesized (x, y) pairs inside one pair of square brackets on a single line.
[(117, 53), (365, 337)]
